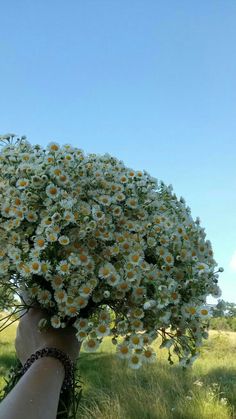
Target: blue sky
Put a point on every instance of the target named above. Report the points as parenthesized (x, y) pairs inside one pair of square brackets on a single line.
[(150, 82)]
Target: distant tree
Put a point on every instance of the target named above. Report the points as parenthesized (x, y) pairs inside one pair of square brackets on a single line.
[(230, 310), (224, 309)]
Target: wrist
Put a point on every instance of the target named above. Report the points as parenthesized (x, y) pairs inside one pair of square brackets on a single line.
[(54, 354), (49, 364)]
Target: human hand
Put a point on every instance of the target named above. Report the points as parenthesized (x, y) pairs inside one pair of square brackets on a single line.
[(29, 338)]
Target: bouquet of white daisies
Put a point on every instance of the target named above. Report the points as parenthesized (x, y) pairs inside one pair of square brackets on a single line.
[(106, 248)]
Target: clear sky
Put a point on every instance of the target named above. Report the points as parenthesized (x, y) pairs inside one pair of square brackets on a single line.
[(150, 82)]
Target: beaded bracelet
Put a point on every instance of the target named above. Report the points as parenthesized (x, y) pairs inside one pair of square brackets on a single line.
[(55, 353)]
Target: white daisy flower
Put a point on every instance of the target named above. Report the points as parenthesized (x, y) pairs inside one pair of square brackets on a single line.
[(35, 253), (148, 355), (117, 211), (105, 200), (68, 216), (132, 203), (74, 260), (104, 315), (52, 191), (136, 258), (136, 325), (137, 313), (56, 171), (35, 266), (55, 321), (204, 312), (98, 214), (44, 296), (57, 282), (64, 240), (15, 255), (46, 222), (60, 295), (136, 341), (22, 183), (135, 361), (168, 258), (6, 210), (131, 174), (81, 324), (84, 259), (53, 147), (123, 350), (91, 344), (68, 157), (119, 197), (72, 310), (31, 216), (123, 286), (34, 290), (81, 302), (85, 290), (147, 339), (202, 268), (189, 310), (45, 267), (106, 270), (114, 279), (123, 179), (81, 335), (24, 269), (139, 292), (63, 267), (40, 242), (51, 236), (102, 330)]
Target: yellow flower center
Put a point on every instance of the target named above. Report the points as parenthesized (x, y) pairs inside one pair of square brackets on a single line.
[(57, 172), (102, 328), (53, 191), (72, 309), (54, 147), (204, 312), (192, 310), (91, 343), (106, 271), (148, 353), (83, 258)]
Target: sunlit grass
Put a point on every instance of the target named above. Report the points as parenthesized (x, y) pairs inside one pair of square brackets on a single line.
[(157, 391)]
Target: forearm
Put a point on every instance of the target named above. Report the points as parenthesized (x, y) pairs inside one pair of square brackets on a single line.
[(37, 393)]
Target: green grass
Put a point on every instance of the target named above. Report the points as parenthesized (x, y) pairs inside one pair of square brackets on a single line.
[(157, 391)]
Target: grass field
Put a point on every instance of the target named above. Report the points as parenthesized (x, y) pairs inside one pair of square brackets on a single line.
[(158, 391)]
